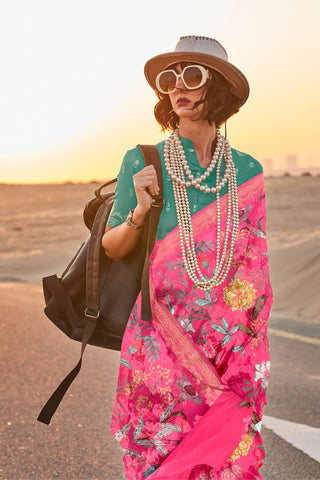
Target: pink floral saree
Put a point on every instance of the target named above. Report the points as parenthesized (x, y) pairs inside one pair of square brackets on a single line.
[(191, 381)]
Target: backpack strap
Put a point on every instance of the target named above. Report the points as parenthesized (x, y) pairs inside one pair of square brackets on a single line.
[(92, 310), (151, 157), (91, 313)]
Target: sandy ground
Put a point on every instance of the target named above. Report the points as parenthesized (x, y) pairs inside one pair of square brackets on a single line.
[(294, 243), (41, 228)]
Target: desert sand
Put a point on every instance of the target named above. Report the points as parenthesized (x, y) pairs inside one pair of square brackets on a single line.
[(41, 228)]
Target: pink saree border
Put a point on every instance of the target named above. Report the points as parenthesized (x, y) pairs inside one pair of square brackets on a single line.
[(186, 350)]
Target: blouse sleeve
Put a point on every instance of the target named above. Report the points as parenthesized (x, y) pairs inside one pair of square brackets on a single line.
[(125, 197)]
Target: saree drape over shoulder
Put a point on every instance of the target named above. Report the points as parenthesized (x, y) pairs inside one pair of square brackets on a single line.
[(191, 381)]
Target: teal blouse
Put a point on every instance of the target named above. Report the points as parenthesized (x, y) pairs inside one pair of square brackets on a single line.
[(125, 198)]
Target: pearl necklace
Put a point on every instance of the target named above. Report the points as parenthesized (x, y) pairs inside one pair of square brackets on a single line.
[(178, 168), (196, 182)]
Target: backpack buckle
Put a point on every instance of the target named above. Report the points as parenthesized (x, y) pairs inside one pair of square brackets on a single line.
[(157, 202), (92, 314)]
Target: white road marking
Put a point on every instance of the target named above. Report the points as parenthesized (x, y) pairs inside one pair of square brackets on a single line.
[(294, 336), (301, 436)]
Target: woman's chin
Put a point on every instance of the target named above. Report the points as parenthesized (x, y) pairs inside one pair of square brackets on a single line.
[(187, 113)]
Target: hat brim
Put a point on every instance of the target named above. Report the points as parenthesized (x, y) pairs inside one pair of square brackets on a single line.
[(238, 82)]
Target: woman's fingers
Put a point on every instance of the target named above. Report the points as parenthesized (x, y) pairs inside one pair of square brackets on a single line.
[(146, 185), (146, 176), (146, 179)]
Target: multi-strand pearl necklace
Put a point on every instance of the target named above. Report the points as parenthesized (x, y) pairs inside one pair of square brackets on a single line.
[(178, 168)]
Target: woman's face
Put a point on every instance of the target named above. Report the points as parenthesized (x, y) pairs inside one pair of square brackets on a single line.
[(183, 100)]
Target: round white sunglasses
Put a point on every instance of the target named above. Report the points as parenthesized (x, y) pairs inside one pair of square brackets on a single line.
[(192, 76)]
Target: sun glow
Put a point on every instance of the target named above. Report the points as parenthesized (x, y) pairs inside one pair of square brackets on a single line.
[(74, 98)]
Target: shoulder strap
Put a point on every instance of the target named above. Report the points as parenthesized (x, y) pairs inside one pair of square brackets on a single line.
[(151, 157), (91, 312)]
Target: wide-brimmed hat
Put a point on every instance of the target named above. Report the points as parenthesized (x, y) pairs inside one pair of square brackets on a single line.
[(205, 51)]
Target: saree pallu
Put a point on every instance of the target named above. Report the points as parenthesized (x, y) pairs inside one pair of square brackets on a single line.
[(191, 381)]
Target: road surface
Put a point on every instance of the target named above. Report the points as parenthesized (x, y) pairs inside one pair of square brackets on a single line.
[(77, 445)]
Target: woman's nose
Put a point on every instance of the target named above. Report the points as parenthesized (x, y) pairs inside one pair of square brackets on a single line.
[(180, 85)]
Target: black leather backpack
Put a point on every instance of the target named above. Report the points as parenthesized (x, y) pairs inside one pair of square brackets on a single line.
[(92, 300)]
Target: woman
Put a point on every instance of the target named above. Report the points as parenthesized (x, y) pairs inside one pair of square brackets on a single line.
[(192, 384)]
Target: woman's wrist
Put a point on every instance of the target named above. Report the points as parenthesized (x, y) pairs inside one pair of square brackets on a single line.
[(139, 216)]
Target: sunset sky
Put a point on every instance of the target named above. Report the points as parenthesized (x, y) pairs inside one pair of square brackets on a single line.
[(73, 97)]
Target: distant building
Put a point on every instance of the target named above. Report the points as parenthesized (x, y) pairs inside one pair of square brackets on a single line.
[(268, 166), (291, 163)]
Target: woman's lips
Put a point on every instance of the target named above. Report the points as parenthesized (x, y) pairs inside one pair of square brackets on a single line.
[(182, 101)]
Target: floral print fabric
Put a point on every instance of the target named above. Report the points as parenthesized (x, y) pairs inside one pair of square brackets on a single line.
[(158, 401)]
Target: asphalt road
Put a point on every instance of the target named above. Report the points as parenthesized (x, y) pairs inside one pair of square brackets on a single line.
[(77, 445)]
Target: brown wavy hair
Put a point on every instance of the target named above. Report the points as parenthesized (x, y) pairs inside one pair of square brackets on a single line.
[(219, 103)]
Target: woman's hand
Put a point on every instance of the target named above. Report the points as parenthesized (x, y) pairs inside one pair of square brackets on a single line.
[(145, 184), (121, 240)]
